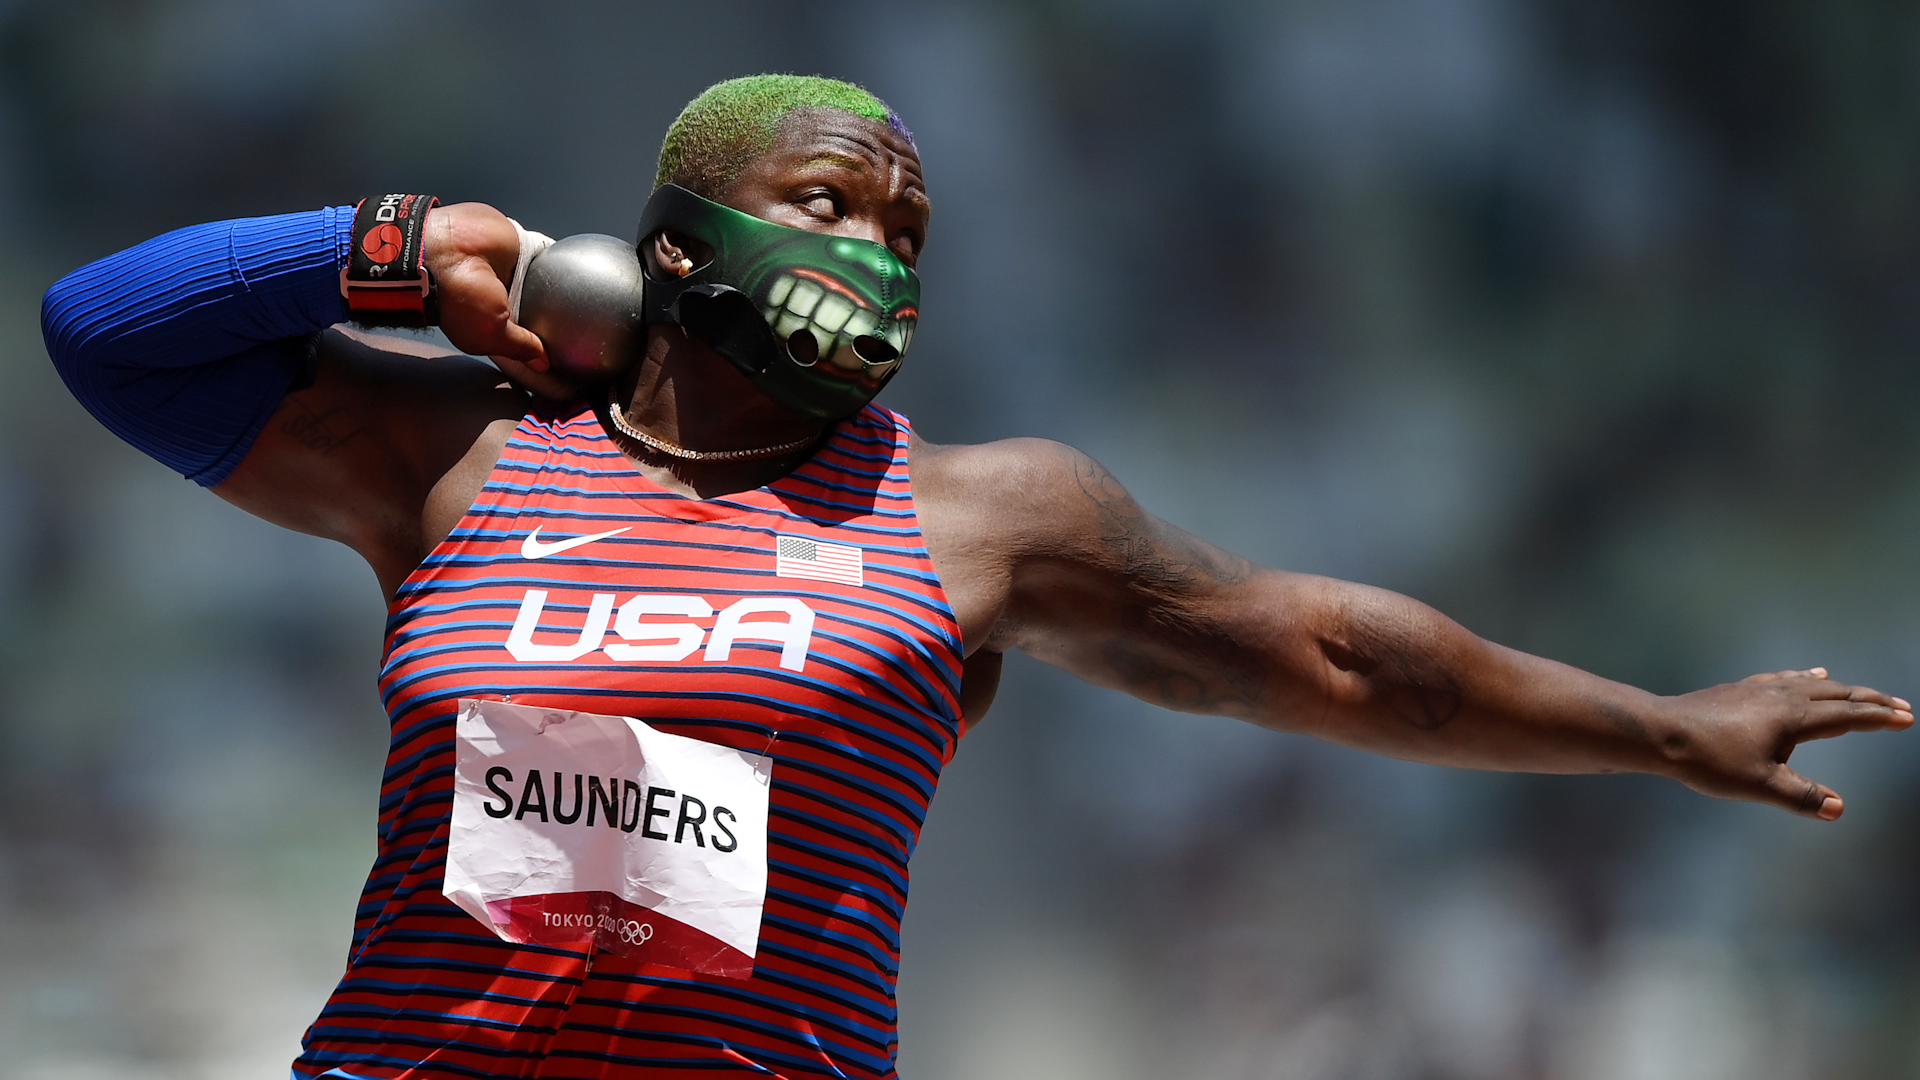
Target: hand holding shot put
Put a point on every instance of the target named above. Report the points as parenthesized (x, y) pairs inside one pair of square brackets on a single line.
[(682, 508)]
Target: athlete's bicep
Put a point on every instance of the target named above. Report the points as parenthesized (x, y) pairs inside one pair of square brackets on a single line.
[(1123, 599)]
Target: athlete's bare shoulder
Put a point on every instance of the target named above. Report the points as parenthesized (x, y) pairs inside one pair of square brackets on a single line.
[(1017, 476), (988, 510), (380, 448), (1029, 535)]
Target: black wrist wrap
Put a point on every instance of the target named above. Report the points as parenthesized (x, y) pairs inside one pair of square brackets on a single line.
[(385, 282)]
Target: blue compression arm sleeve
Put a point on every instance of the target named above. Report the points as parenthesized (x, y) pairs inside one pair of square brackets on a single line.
[(184, 345)]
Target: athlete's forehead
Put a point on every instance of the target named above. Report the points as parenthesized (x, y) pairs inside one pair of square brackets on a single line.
[(822, 143)]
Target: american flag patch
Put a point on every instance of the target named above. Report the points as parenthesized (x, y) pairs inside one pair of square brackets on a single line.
[(802, 557)]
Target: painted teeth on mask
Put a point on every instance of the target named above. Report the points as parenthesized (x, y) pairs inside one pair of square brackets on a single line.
[(786, 324), (804, 298), (781, 288), (796, 304), (833, 313), (899, 335)]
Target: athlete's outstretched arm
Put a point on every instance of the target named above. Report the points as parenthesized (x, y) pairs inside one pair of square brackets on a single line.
[(1092, 583)]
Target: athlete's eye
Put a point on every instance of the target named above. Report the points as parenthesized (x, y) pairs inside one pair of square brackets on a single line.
[(821, 204)]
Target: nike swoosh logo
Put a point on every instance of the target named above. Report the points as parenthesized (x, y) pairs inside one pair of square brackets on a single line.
[(532, 548)]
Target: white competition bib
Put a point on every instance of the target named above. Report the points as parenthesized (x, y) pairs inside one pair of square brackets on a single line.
[(571, 827)]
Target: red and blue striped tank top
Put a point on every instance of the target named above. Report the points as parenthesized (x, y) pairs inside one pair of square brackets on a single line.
[(859, 725)]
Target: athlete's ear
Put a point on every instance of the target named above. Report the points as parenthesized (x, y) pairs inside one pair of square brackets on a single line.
[(678, 255)]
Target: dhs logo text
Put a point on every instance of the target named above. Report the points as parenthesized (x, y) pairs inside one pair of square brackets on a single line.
[(779, 619), (392, 207)]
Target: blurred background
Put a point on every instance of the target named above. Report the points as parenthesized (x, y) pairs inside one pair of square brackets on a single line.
[(1591, 322)]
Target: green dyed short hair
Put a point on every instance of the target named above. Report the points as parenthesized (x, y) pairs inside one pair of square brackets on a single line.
[(733, 122)]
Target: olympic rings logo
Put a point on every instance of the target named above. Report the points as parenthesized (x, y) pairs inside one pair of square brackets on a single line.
[(629, 931)]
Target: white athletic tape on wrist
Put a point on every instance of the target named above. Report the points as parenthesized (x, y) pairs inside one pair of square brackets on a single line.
[(531, 244)]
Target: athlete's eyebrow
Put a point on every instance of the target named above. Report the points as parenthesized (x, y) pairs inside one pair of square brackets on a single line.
[(834, 157)]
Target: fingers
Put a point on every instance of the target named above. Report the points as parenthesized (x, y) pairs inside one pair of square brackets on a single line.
[(1837, 708), (1791, 791), (540, 383), (523, 345), (1827, 690), (1826, 719), (473, 315)]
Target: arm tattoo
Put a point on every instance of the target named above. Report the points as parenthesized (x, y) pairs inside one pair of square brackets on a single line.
[(1149, 552), (1412, 685), (1166, 652), (321, 432)]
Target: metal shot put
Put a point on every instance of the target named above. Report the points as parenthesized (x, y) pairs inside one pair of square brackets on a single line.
[(582, 298)]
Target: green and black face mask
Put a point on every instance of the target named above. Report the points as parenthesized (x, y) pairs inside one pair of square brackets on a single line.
[(819, 323)]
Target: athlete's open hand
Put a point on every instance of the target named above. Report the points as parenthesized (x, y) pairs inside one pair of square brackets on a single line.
[(471, 249), (1733, 741)]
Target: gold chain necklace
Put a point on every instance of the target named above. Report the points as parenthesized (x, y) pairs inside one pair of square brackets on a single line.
[(674, 450)]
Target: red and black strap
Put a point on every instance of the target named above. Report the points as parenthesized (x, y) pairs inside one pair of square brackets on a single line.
[(386, 283)]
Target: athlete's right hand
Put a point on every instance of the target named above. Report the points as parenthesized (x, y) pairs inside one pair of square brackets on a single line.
[(471, 248)]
